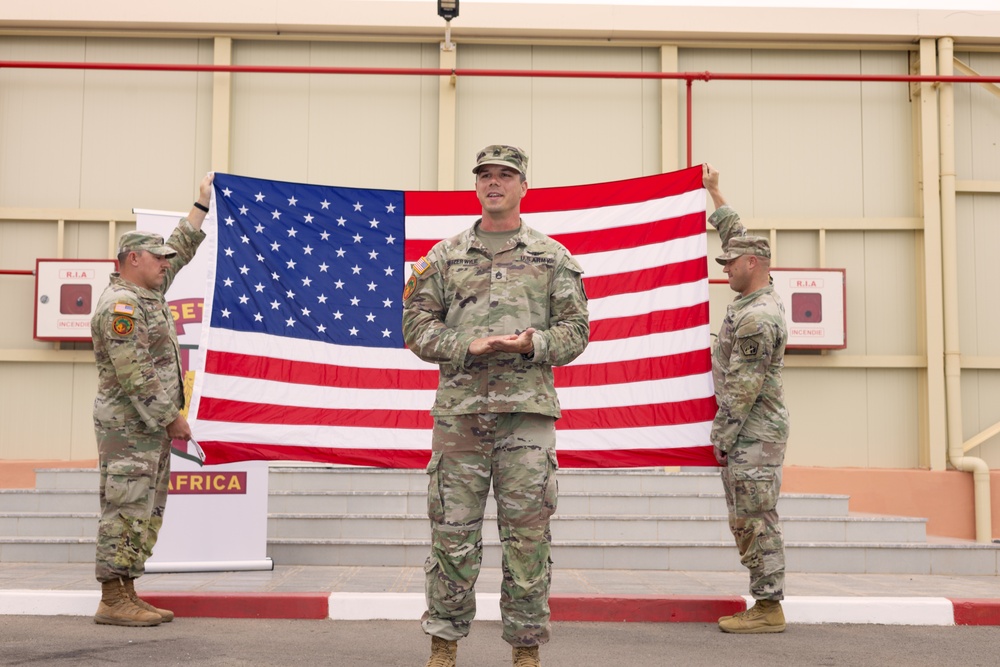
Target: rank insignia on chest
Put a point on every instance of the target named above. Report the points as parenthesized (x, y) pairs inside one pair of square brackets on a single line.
[(123, 325), (124, 309)]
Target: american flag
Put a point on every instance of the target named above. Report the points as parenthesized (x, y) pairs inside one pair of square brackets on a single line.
[(303, 350)]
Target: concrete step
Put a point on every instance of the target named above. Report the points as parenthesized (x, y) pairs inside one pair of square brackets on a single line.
[(388, 527), (570, 502), (887, 558), (566, 528), (414, 502), (640, 519), (48, 524), (49, 500), (848, 558)]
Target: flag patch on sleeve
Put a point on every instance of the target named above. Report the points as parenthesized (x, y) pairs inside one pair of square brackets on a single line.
[(421, 265)]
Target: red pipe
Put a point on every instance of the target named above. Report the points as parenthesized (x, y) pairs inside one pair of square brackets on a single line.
[(16, 272), (417, 71)]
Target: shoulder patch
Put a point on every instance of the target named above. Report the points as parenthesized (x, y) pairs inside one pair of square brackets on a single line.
[(411, 285), (123, 325), (124, 309), (750, 346), (420, 266)]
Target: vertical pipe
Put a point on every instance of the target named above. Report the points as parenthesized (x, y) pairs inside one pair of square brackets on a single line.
[(933, 299), (447, 96), (60, 239), (222, 85), (949, 262), (669, 123), (689, 122)]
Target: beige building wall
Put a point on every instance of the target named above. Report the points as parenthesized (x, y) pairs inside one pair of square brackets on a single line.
[(829, 170)]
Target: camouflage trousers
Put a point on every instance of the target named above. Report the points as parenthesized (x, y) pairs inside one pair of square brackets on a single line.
[(516, 451), (135, 476), (752, 481)]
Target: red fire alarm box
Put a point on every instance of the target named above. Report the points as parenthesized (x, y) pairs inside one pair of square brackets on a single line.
[(66, 291), (815, 308)]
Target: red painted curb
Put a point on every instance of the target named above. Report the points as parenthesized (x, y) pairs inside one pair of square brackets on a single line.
[(984, 611), (243, 605), (643, 608)]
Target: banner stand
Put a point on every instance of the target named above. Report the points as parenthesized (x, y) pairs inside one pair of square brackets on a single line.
[(216, 516)]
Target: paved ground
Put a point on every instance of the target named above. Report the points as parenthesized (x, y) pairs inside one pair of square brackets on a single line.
[(396, 593), (30, 641)]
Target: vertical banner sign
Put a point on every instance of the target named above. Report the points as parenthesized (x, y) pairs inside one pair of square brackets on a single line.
[(216, 516)]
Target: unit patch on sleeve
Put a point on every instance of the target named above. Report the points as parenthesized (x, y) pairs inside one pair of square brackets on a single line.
[(749, 346), (123, 325), (411, 285)]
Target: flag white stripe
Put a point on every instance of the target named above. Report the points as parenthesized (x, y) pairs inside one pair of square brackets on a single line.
[(648, 301), (436, 227), (269, 392), (645, 347), (612, 262), (598, 352), (360, 438)]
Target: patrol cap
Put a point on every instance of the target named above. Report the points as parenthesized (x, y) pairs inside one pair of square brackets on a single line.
[(505, 156), (153, 243), (745, 245)]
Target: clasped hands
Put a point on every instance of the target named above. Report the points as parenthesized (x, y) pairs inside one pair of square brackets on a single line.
[(517, 343)]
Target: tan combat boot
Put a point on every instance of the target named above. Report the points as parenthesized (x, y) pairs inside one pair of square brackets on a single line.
[(443, 652), (765, 616), (116, 608), (164, 614), (525, 656)]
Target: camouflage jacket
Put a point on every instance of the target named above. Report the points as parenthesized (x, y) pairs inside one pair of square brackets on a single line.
[(747, 360), (139, 383), (466, 293)]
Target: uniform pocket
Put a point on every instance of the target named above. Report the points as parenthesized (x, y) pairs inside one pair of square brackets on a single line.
[(755, 488), (550, 497), (435, 499), (127, 487)]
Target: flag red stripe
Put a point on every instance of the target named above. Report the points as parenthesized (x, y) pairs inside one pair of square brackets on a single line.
[(636, 458), (637, 416), (651, 323), (633, 236), (632, 416), (634, 370), (321, 375), (569, 198), (233, 452), (681, 273), (330, 375)]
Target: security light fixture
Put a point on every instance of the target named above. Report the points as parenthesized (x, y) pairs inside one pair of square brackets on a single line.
[(448, 9)]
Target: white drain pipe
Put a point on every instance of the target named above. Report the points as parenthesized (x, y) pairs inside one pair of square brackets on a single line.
[(949, 262)]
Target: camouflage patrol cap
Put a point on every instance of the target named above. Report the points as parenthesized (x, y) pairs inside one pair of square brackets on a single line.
[(153, 243), (506, 156), (745, 245)]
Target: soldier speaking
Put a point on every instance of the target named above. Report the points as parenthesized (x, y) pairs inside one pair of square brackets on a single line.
[(496, 307)]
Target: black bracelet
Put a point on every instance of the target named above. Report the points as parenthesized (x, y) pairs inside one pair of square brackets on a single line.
[(200, 207)]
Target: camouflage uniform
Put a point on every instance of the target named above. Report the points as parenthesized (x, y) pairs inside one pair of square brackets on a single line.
[(140, 391), (494, 418), (751, 425)]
